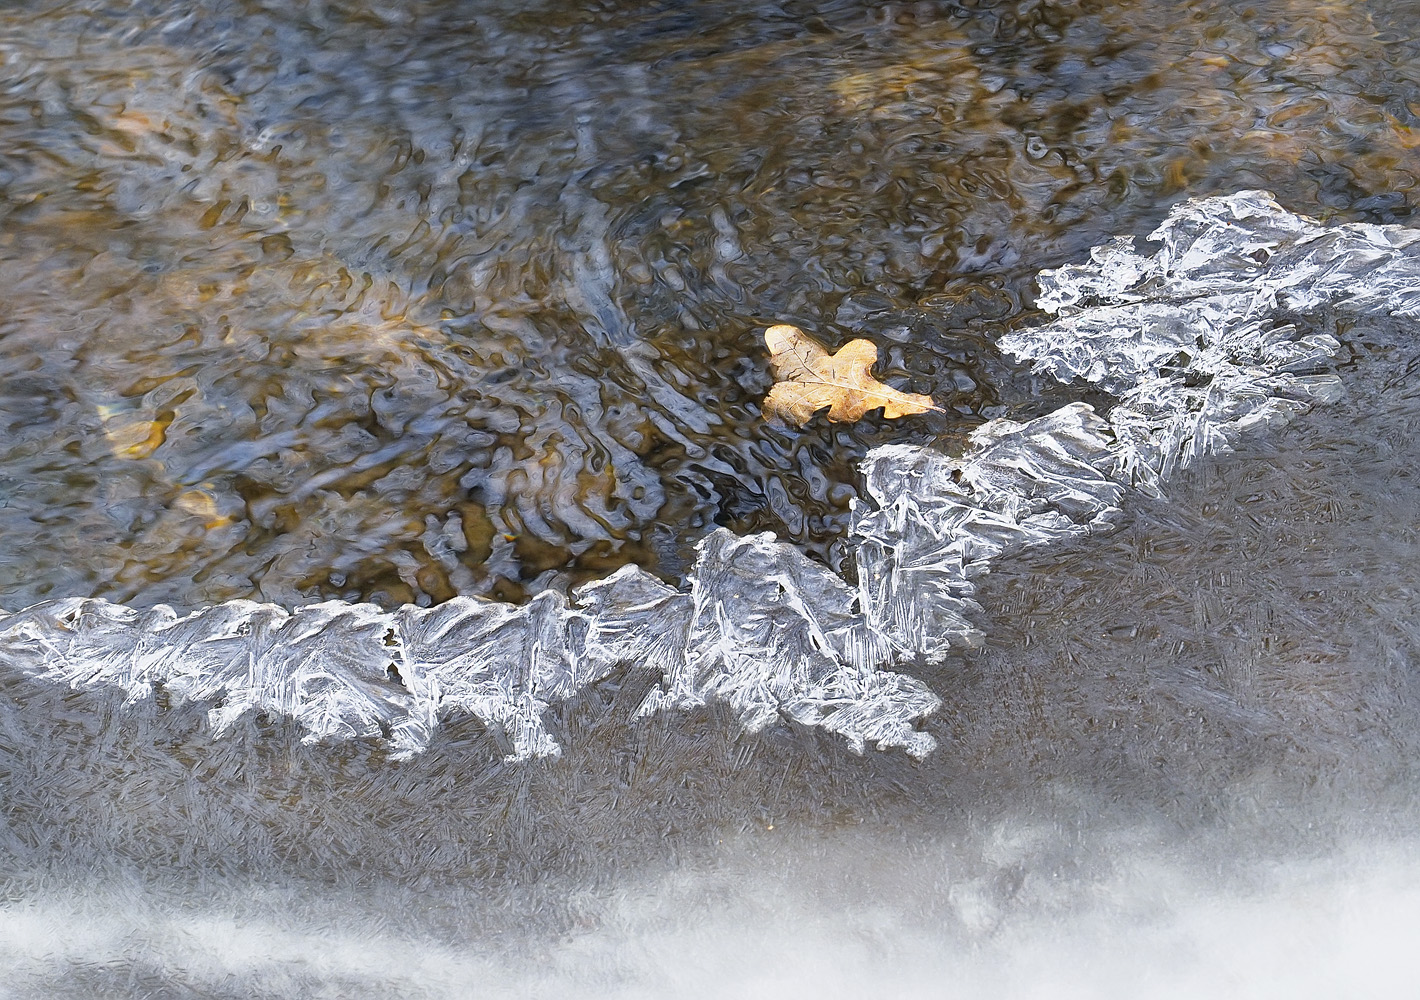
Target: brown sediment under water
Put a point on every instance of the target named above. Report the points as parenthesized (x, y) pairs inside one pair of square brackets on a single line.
[(401, 301)]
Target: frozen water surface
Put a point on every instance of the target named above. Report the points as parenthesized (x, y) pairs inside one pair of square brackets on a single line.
[(412, 354), (1172, 724), (1193, 340)]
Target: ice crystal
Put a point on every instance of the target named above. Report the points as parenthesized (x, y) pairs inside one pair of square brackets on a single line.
[(1193, 341)]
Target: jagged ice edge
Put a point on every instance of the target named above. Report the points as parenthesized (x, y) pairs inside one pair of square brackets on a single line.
[(1186, 339), (1192, 342)]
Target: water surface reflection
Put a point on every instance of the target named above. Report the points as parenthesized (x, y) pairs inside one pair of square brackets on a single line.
[(396, 302)]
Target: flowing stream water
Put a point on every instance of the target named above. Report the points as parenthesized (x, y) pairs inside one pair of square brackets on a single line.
[(410, 301)]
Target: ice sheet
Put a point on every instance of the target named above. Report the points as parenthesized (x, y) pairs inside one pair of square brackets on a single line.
[(1193, 341)]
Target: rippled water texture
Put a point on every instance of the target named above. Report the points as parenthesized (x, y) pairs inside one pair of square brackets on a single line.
[(396, 302)]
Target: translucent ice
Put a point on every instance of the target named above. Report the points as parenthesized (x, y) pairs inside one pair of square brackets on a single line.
[(939, 521), (1193, 340), (761, 627), (773, 633)]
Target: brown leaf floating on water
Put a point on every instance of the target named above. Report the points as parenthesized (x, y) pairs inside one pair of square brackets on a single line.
[(809, 378)]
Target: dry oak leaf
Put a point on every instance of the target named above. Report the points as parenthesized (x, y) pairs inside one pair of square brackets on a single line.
[(809, 378)]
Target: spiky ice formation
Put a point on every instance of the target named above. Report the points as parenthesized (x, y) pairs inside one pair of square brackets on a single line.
[(760, 627), (1192, 340), (1195, 343), (938, 522)]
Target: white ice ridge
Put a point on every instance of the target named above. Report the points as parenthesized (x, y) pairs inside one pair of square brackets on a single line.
[(1188, 340), (1192, 341), (760, 627)]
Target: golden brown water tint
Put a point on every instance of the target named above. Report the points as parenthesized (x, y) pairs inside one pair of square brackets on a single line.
[(400, 301)]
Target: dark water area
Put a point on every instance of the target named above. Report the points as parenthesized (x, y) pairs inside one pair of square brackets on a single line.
[(397, 302)]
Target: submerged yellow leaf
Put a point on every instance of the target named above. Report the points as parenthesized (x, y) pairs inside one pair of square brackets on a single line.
[(202, 505), (132, 438), (810, 378)]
